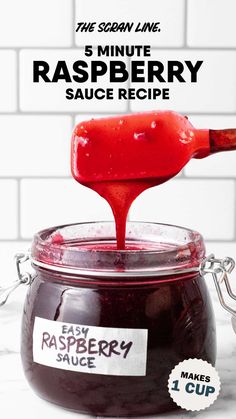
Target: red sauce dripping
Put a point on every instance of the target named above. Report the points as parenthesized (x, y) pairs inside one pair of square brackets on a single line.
[(120, 157)]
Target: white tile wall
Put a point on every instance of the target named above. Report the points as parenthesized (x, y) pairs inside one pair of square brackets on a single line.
[(211, 23), (50, 202), (222, 249), (32, 95), (8, 209), (86, 117), (36, 121), (8, 75), (195, 204), (212, 92), (35, 145), (35, 23), (170, 13)]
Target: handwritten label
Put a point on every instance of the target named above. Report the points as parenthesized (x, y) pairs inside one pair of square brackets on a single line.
[(90, 349)]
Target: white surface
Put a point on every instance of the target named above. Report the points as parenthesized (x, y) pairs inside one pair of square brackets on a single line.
[(45, 141), (38, 23), (211, 23), (211, 93), (196, 204), (8, 81), (168, 12)]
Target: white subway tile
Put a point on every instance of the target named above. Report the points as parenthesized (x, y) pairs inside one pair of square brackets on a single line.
[(211, 23), (42, 96), (221, 249), (7, 81), (220, 165), (41, 145), (35, 145), (213, 91), (46, 203), (213, 121), (8, 209), (8, 250), (217, 165), (36, 23), (170, 15), (204, 205), (87, 117)]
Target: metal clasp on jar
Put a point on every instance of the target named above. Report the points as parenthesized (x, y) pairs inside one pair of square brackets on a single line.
[(23, 278), (220, 270)]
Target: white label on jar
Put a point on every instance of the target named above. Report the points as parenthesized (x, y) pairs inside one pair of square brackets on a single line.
[(90, 349)]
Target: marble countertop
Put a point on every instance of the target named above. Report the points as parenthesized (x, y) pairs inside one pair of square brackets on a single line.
[(16, 397)]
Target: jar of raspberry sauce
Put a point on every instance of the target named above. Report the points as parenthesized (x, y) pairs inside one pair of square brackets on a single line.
[(102, 329)]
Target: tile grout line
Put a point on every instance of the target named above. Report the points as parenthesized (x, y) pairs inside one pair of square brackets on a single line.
[(17, 81), (74, 113), (206, 178), (73, 122), (73, 13), (154, 48), (35, 177), (185, 23)]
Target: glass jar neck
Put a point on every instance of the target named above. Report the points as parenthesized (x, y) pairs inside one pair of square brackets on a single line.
[(89, 249)]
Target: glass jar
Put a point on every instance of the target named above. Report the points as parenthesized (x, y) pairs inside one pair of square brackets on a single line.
[(102, 329)]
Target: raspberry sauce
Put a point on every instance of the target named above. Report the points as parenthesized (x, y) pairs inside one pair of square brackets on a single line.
[(153, 285), (121, 157)]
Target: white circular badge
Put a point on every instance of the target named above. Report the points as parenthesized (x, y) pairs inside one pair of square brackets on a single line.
[(194, 384)]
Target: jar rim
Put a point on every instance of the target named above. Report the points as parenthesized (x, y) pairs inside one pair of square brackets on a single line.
[(169, 249)]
